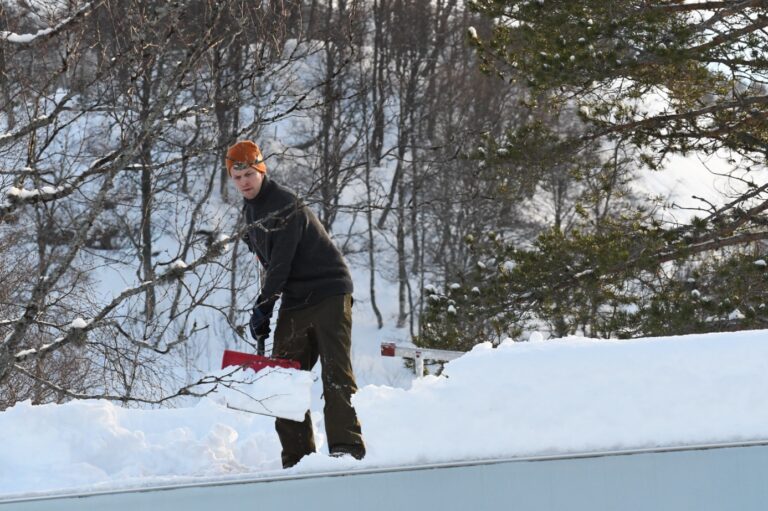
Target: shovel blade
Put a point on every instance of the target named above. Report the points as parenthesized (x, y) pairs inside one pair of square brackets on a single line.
[(256, 362), (275, 393)]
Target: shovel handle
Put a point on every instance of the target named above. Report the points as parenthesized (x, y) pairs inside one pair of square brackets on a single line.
[(260, 345)]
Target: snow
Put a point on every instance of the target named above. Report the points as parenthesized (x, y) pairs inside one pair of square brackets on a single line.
[(539, 397), (178, 264), (560, 396), (24, 38), (78, 323), (52, 9), (736, 315), (507, 266), (282, 393), (22, 193)]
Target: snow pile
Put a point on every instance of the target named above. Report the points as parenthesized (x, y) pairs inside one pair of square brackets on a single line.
[(575, 395), (96, 445), (543, 397)]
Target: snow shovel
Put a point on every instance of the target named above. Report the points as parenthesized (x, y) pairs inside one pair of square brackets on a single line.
[(283, 394)]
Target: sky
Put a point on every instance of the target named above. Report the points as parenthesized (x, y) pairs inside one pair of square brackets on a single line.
[(541, 397)]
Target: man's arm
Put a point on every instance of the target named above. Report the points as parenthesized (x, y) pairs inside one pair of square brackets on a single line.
[(286, 236)]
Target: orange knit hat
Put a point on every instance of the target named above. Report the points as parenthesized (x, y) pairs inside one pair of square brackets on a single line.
[(247, 152)]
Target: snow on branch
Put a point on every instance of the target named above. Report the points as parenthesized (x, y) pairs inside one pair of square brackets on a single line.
[(75, 334), (79, 328), (18, 196), (50, 31), (23, 194)]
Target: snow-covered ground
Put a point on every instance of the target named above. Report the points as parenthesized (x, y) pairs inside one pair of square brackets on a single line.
[(542, 397)]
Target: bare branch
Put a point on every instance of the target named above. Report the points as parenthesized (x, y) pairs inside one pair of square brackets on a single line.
[(48, 33)]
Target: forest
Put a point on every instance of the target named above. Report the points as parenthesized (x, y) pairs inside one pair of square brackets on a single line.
[(482, 157)]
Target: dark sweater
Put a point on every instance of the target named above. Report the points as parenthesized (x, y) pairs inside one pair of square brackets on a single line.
[(302, 264)]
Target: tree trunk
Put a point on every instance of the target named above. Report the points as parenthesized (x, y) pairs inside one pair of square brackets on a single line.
[(328, 163), (147, 198), (5, 85), (402, 273)]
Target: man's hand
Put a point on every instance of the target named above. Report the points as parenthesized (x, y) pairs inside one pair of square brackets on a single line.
[(259, 325)]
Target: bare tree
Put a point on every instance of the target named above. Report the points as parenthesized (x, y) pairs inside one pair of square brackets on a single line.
[(108, 160)]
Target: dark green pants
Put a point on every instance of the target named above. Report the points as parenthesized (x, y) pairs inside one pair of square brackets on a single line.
[(321, 330)]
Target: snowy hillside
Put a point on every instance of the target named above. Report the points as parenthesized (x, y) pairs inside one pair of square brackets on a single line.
[(542, 397)]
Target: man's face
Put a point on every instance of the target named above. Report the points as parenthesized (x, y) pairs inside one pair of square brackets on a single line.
[(247, 181)]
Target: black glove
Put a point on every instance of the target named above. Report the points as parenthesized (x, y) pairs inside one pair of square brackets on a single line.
[(259, 324)]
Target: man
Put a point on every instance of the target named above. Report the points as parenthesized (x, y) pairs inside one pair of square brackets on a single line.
[(306, 270)]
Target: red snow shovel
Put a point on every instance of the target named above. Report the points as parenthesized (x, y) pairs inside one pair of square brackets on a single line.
[(256, 362), (243, 401)]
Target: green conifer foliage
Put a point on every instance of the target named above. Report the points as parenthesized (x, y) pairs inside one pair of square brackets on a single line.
[(653, 78)]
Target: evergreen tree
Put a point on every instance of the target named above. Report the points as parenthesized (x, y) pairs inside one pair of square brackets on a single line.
[(650, 79)]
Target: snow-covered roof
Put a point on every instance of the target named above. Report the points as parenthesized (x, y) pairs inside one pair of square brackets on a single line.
[(518, 399)]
